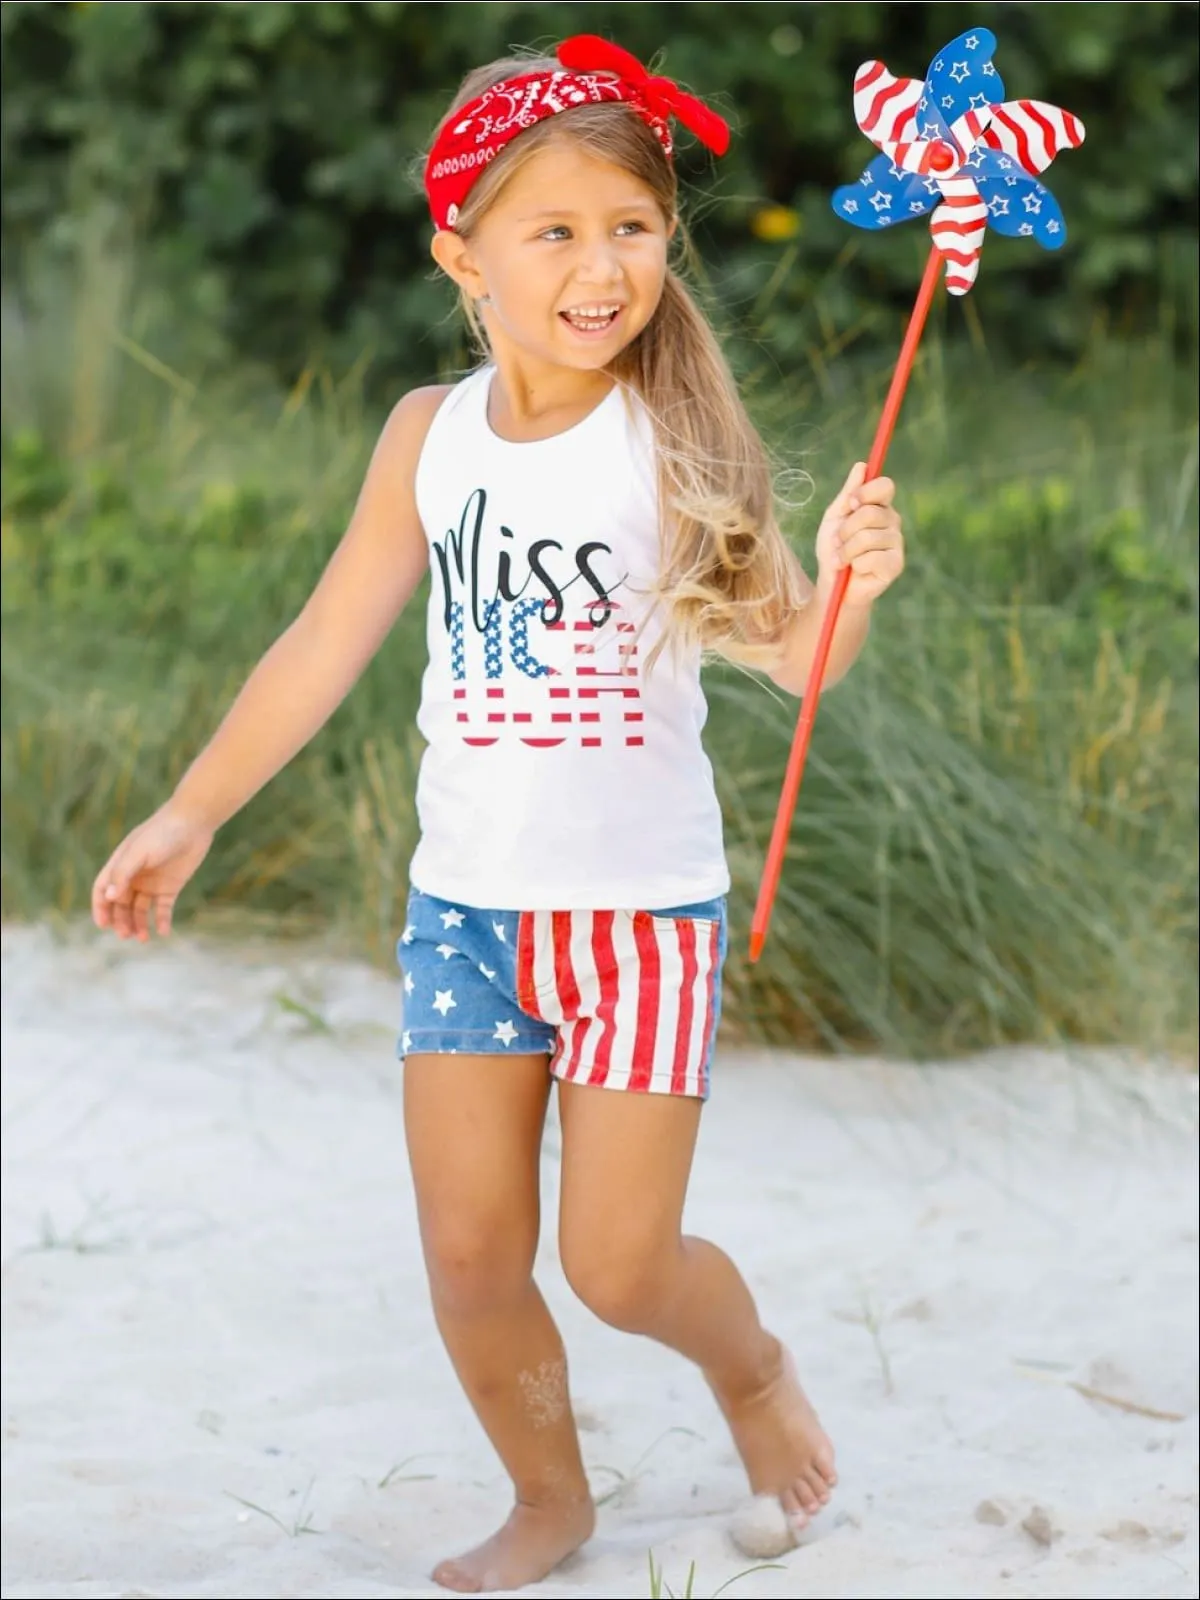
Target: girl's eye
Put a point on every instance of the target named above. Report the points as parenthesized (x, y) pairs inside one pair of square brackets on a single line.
[(560, 231)]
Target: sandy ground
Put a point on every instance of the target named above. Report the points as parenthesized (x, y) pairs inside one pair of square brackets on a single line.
[(221, 1376)]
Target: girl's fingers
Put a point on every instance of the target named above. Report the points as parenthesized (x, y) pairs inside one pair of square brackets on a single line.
[(122, 919), (143, 904), (101, 913), (879, 492), (869, 517), (163, 907), (848, 495), (116, 894), (862, 541), (872, 575), (103, 893)]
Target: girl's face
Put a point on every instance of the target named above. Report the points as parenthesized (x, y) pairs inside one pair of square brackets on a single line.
[(572, 257)]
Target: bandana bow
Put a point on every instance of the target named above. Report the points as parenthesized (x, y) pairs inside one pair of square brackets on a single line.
[(586, 52)]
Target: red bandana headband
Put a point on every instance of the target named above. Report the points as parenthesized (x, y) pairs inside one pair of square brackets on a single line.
[(594, 72)]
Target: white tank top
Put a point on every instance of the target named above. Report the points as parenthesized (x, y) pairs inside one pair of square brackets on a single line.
[(559, 774)]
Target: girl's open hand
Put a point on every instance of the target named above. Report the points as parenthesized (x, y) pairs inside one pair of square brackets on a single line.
[(146, 872), (861, 530)]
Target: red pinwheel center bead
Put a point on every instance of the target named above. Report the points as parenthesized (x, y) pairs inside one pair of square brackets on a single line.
[(941, 157)]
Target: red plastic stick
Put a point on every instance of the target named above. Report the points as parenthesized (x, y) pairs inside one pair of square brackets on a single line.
[(812, 689)]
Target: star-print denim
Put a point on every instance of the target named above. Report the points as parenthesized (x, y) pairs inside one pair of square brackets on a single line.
[(615, 999)]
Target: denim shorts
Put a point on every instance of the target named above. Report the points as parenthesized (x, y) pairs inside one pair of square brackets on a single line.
[(616, 999)]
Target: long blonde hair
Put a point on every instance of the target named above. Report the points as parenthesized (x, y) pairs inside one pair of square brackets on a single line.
[(727, 581)]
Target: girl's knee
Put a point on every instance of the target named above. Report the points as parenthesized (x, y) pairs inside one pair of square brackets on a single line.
[(621, 1278), (474, 1268)]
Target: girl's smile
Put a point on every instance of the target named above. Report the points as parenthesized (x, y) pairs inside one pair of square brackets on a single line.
[(594, 321)]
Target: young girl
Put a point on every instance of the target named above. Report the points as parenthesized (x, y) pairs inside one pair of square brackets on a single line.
[(596, 510)]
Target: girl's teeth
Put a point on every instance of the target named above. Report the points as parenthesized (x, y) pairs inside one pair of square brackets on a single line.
[(591, 321)]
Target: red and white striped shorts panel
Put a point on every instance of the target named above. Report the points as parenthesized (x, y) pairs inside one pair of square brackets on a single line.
[(634, 995)]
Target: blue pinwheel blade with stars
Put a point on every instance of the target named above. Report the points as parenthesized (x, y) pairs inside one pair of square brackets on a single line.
[(885, 194), (1018, 205), (961, 78)]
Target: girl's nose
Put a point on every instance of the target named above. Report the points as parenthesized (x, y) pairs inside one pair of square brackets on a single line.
[(598, 263)]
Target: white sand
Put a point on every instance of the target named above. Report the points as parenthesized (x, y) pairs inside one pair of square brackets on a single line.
[(213, 1290)]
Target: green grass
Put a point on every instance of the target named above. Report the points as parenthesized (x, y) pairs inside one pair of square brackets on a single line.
[(996, 838), (660, 1589)]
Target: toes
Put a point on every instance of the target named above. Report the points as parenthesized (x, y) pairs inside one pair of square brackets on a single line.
[(793, 1510), (452, 1576), (817, 1485), (803, 1491), (823, 1463)]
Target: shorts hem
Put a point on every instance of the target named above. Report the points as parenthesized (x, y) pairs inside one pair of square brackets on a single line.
[(659, 1085), (472, 1042)]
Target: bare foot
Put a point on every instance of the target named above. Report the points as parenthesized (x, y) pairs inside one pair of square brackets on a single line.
[(785, 1450), (530, 1544)]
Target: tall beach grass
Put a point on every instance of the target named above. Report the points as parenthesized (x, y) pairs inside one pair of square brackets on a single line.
[(997, 834)]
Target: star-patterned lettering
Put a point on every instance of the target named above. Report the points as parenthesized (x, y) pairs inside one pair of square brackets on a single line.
[(518, 640)]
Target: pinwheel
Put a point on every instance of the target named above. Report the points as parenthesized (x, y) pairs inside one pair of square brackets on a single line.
[(952, 145), (954, 139)]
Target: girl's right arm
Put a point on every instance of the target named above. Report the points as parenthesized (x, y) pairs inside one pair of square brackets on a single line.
[(294, 689)]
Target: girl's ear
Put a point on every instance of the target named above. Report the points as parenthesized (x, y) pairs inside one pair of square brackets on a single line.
[(453, 254)]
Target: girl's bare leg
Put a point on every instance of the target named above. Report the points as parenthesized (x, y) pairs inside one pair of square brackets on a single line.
[(625, 1167), (474, 1129)]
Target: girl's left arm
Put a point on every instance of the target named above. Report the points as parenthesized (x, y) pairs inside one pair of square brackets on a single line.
[(860, 529)]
